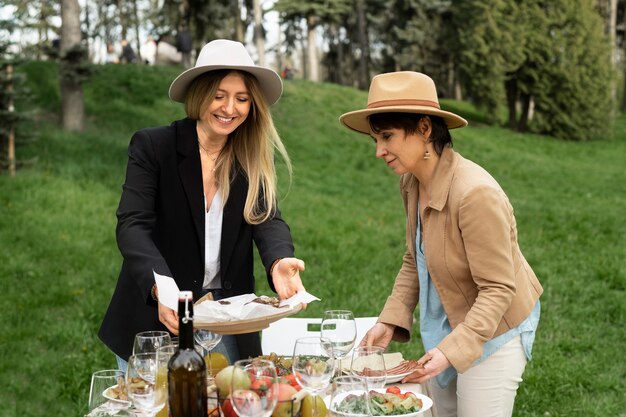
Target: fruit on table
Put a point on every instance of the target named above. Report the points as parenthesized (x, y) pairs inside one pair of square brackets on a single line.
[(306, 409), (225, 376), (227, 409), (215, 362), (285, 407)]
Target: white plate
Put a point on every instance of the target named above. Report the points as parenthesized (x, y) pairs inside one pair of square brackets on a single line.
[(427, 403), (109, 396), (392, 379)]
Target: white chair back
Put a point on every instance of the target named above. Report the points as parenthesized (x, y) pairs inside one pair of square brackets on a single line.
[(280, 337)]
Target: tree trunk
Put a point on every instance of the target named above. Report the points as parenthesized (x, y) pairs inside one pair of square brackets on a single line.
[(623, 106), (259, 36), (311, 37), (511, 101), (123, 21), (363, 72), (239, 32), (614, 45), (526, 100), (72, 105), (137, 23), (11, 109), (334, 62)]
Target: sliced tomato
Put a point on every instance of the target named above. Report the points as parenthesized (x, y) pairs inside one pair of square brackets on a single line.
[(393, 390), (261, 386)]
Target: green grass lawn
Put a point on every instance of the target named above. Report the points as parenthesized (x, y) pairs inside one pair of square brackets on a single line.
[(59, 260)]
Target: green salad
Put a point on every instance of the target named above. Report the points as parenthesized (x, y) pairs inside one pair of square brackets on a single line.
[(381, 404)]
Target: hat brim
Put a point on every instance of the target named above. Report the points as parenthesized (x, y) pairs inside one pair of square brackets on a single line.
[(269, 81), (357, 120)]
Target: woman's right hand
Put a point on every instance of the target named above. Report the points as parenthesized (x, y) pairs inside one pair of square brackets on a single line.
[(379, 335), (169, 318)]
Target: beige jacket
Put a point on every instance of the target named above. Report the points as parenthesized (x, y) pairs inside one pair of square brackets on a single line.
[(470, 241)]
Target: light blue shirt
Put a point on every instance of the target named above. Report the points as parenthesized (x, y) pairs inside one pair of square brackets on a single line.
[(434, 324)]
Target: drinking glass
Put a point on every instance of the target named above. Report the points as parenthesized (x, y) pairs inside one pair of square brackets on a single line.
[(150, 341), (107, 392), (208, 340), (368, 362), (260, 398), (349, 385), (313, 365), (164, 354), (146, 395), (339, 327)]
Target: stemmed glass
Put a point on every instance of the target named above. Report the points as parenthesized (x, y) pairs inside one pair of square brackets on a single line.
[(339, 327), (313, 365), (260, 398), (107, 393), (141, 383), (368, 362), (208, 340), (150, 341), (349, 385), (164, 354)]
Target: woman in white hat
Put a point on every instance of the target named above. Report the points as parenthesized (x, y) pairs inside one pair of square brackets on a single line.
[(477, 295), (197, 194)]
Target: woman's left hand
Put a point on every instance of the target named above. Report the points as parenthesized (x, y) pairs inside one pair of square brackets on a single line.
[(434, 362), (286, 277)]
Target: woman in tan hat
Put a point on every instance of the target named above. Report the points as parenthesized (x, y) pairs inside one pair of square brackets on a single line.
[(197, 194), (477, 295)]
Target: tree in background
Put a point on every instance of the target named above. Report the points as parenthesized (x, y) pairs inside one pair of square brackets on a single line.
[(490, 47), (11, 90), (549, 61), (573, 91), (72, 67)]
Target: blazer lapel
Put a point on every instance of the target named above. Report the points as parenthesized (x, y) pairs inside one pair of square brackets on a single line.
[(190, 172)]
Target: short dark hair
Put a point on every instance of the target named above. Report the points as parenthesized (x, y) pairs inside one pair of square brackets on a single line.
[(408, 122)]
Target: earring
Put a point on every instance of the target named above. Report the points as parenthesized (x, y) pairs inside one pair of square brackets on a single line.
[(426, 155)]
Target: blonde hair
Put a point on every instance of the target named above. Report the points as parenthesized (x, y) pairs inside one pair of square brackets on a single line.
[(251, 145)]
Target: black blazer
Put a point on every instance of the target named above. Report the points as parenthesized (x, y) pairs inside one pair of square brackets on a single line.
[(161, 227)]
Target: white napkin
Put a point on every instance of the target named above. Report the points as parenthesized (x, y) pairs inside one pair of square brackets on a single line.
[(168, 291), (238, 308)]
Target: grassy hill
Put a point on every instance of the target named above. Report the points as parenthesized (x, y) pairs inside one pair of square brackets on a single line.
[(59, 260)]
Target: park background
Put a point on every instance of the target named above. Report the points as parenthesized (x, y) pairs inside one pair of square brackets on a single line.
[(541, 83)]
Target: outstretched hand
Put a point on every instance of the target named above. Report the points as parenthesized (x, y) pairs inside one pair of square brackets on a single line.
[(433, 363), (169, 318), (286, 277), (379, 335)]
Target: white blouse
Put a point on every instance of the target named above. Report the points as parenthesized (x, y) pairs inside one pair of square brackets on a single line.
[(212, 242)]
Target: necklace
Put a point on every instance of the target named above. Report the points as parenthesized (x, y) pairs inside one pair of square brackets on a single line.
[(209, 154)]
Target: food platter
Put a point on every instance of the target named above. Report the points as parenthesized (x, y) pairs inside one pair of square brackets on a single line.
[(402, 370), (427, 403), (113, 394), (247, 325), (393, 378)]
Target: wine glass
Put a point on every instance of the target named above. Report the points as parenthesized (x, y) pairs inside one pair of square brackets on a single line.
[(208, 340), (349, 385), (107, 392), (164, 353), (150, 341), (144, 392), (260, 398), (368, 362), (313, 365), (339, 327)]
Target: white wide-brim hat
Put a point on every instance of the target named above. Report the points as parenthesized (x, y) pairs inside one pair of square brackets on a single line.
[(227, 54), (400, 92)]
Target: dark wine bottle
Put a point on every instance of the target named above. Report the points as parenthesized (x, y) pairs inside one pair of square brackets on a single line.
[(186, 376)]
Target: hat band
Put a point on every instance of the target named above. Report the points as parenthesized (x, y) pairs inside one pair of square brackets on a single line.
[(403, 102)]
